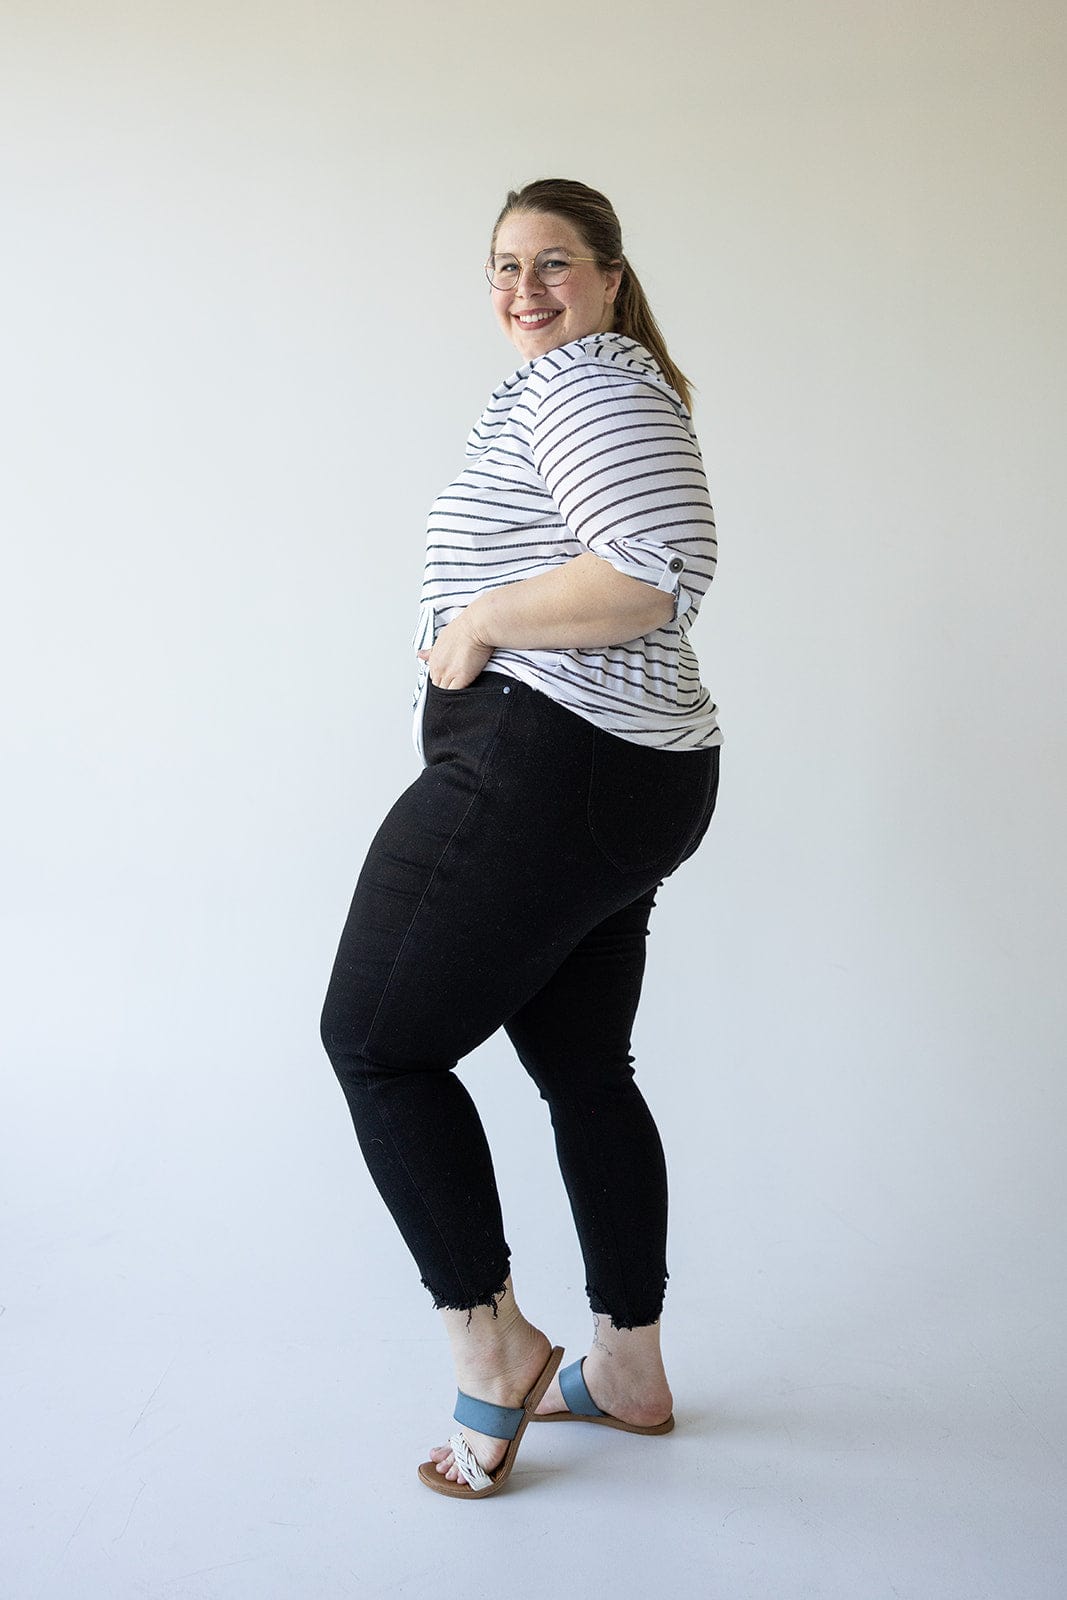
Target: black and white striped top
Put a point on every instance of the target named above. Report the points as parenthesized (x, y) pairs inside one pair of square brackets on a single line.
[(586, 448)]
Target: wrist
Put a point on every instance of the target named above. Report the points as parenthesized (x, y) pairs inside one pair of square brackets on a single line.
[(477, 618)]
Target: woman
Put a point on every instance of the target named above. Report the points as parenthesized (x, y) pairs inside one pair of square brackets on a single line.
[(571, 764)]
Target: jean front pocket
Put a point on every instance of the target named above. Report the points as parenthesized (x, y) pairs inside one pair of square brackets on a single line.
[(645, 804), (462, 725)]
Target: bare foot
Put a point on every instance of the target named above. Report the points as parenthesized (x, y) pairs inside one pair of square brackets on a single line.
[(498, 1363), (624, 1375)]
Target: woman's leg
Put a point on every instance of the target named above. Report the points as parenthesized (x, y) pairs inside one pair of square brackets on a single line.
[(497, 1358), (471, 893), (412, 991), (574, 1039)]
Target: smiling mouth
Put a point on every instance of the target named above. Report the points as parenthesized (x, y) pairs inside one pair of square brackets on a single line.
[(534, 319)]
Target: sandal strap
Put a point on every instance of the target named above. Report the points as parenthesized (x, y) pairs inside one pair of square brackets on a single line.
[(572, 1386), (468, 1463), (499, 1422)]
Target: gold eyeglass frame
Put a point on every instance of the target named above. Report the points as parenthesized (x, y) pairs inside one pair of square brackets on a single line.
[(524, 263)]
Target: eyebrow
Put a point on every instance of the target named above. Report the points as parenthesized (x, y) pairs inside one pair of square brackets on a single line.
[(540, 252)]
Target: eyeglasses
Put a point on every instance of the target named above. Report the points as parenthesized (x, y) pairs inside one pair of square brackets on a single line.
[(550, 267)]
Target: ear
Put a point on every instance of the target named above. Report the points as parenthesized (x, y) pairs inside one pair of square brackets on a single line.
[(612, 280)]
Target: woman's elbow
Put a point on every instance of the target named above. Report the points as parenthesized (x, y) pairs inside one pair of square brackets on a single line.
[(661, 607), (652, 608)]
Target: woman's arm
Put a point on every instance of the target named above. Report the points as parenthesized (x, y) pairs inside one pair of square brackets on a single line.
[(584, 604), (624, 472)]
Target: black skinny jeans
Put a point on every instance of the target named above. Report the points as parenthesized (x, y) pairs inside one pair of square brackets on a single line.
[(510, 886)]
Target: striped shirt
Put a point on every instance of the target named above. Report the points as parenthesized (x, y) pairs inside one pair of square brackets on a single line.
[(585, 448)]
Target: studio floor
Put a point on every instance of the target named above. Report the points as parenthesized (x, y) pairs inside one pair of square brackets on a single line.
[(853, 1423)]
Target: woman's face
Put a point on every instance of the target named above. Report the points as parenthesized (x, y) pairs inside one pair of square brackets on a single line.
[(537, 319)]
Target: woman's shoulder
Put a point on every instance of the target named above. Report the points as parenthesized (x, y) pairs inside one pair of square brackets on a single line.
[(599, 360), (611, 362), (594, 351)]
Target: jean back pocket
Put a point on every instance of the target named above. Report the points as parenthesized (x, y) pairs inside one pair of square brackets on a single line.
[(648, 808)]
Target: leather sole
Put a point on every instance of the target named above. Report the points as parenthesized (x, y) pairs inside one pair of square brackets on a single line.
[(605, 1422)]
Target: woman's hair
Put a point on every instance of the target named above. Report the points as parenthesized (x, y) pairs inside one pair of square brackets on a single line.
[(594, 217)]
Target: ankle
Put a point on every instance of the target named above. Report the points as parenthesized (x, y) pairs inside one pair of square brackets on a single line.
[(626, 1350), (481, 1340)]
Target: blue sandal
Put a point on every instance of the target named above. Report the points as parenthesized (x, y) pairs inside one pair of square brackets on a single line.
[(583, 1408), (501, 1422)]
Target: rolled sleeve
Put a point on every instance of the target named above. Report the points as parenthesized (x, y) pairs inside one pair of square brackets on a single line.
[(651, 562)]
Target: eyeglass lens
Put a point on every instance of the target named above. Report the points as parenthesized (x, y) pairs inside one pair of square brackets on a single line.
[(550, 266)]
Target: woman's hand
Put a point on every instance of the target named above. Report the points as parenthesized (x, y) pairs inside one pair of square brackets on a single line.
[(458, 654)]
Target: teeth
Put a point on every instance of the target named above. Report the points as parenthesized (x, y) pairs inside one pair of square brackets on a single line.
[(537, 316)]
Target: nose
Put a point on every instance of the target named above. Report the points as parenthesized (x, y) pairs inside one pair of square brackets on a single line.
[(529, 283)]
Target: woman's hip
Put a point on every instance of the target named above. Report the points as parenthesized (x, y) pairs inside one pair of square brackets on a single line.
[(524, 831), (552, 781)]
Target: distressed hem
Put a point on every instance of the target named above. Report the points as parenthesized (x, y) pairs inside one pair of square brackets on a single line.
[(642, 1317), (442, 1302)]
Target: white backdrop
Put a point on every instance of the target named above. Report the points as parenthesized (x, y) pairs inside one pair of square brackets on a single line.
[(242, 245)]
